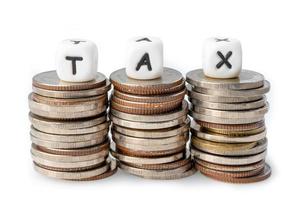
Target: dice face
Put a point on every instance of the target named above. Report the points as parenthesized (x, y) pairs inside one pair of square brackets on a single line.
[(222, 58), (144, 58), (76, 60)]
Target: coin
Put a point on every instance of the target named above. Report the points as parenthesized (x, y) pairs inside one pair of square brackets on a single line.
[(232, 127), (145, 105), (149, 142), (65, 108), (227, 139), (163, 166), (73, 94), (236, 93), (170, 81), (212, 119), (68, 115), (229, 174), (151, 148), (147, 125), (232, 114), (150, 98), (133, 152), (258, 148), (69, 102), (246, 80), (220, 99), (229, 106), (147, 161), (50, 81), (68, 138), (74, 152), (46, 124), (231, 168), (68, 165), (157, 133), (175, 114), (67, 158), (67, 145), (73, 175), (180, 172), (266, 173), (226, 160), (205, 145), (144, 108)]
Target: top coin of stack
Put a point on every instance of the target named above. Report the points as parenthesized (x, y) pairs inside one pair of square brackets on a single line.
[(69, 128), (228, 105), (150, 124)]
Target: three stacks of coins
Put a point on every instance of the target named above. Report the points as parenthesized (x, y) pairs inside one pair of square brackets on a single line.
[(228, 131), (150, 126), (70, 127)]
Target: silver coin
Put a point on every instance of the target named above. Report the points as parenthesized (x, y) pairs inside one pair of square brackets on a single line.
[(78, 107), (147, 161), (235, 93), (233, 160), (68, 138), (183, 110), (68, 165), (260, 147), (69, 115), (138, 147), (246, 80), (220, 99), (259, 112), (81, 131), (157, 133), (218, 120), (73, 175), (50, 81), (148, 125), (46, 123), (73, 94), (149, 142), (169, 78), (181, 172), (67, 145), (68, 158), (229, 106)]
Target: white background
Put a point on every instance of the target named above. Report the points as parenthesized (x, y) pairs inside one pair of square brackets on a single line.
[(30, 31)]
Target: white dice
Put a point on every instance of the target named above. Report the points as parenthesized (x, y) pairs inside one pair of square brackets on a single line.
[(222, 58), (143, 58), (76, 60)]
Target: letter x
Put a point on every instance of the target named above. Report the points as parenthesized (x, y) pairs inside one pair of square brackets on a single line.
[(74, 59), (224, 60), (145, 60)]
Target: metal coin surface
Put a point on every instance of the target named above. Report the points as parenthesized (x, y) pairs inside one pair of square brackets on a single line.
[(246, 80), (167, 83), (50, 81)]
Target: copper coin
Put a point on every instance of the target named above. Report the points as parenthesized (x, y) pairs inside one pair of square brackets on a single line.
[(50, 81), (232, 127), (266, 173), (146, 109)]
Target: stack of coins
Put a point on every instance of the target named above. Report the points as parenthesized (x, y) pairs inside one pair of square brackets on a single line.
[(150, 125), (228, 132), (69, 129)]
